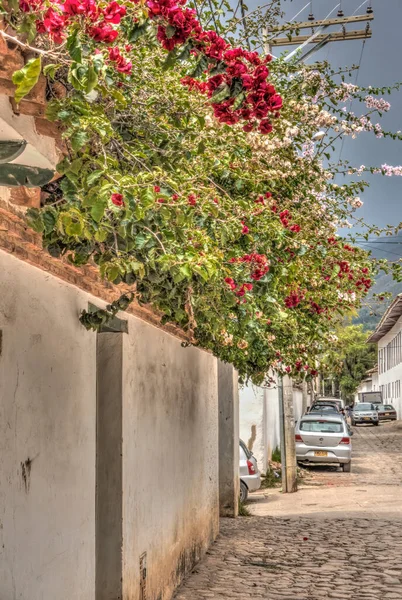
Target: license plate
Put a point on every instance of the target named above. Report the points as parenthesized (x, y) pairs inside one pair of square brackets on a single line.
[(387, 414), (366, 419), (320, 453)]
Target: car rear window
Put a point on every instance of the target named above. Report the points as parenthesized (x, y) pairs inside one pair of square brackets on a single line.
[(321, 426), (388, 407)]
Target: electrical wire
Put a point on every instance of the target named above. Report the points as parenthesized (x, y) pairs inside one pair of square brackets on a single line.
[(313, 36), (382, 250), (356, 79)]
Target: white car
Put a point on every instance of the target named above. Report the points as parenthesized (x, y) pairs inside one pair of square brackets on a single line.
[(250, 477), (323, 439)]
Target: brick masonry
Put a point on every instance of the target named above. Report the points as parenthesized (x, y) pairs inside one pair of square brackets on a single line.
[(18, 239)]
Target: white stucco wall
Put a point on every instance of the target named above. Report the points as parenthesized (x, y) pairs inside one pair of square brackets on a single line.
[(393, 375), (259, 420), (170, 449), (48, 426)]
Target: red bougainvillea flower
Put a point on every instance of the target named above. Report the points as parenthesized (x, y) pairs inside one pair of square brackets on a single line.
[(293, 299), (245, 287), (192, 199), (122, 65), (117, 199), (103, 33), (53, 23), (265, 126), (231, 283), (80, 7), (31, 5), (175, 197), (295, 228), (157, 189), (245, 229), (114, 12)]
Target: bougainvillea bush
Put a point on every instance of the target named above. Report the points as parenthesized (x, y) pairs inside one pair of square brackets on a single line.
[(200, 186)]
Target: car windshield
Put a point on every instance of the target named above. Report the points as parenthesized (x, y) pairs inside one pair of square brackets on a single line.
[(321, 426), (323, 407), (364, 406)]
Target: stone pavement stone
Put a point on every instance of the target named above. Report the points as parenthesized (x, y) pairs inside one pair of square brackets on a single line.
[(338, 538)]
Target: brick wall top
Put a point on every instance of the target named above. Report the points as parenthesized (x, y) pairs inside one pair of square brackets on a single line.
[(21, 241)]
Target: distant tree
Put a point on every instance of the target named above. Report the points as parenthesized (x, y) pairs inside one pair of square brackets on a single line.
[(348, 359)]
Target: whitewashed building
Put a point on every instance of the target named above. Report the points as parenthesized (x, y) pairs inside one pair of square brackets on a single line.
[(388, 336)]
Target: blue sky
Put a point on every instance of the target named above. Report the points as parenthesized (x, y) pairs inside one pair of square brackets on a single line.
[(380, 66)]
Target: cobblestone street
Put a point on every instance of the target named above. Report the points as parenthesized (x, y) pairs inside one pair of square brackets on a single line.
[(338, 537)]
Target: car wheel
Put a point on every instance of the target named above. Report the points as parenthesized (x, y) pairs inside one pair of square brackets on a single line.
[(353, 423), (243, 491), (376, 423), (347, 467)]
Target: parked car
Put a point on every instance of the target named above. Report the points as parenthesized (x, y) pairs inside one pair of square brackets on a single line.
[(338, 401), (250, 476), (324, 407), (364, 412), (386, 412), (323, 439)]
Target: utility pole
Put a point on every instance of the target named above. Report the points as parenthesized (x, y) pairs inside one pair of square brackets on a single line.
[(288, 447), (335, 36), (304, 396), (320, 35)]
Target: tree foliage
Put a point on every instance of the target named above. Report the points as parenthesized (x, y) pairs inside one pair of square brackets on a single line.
[(348, 359), (173, 191)]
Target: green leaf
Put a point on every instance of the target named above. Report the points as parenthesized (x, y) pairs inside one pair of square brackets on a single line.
[(186, 51), (200, 66), (137, 31), (221, 93), (28, 26), (186, 271), (49, 220), (26, 78), (170, 31), (74, 46), (220, 67), (147, 197), (92, 79), (35, 221), (78, 139), (239, 100), (94, 176), (170, 60), (236, 87), (50, 70), (98, 209)]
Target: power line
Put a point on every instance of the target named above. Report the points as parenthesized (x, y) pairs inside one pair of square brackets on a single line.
[(351, 102)]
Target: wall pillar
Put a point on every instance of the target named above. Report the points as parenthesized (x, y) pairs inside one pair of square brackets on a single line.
[(228, 402), (109, 473)]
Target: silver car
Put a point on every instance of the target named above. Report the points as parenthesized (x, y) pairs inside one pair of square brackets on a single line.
[(364, 412), (323, 439), (250, 477)]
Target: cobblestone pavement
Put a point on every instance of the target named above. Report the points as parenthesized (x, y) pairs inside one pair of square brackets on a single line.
[(339, 537)]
